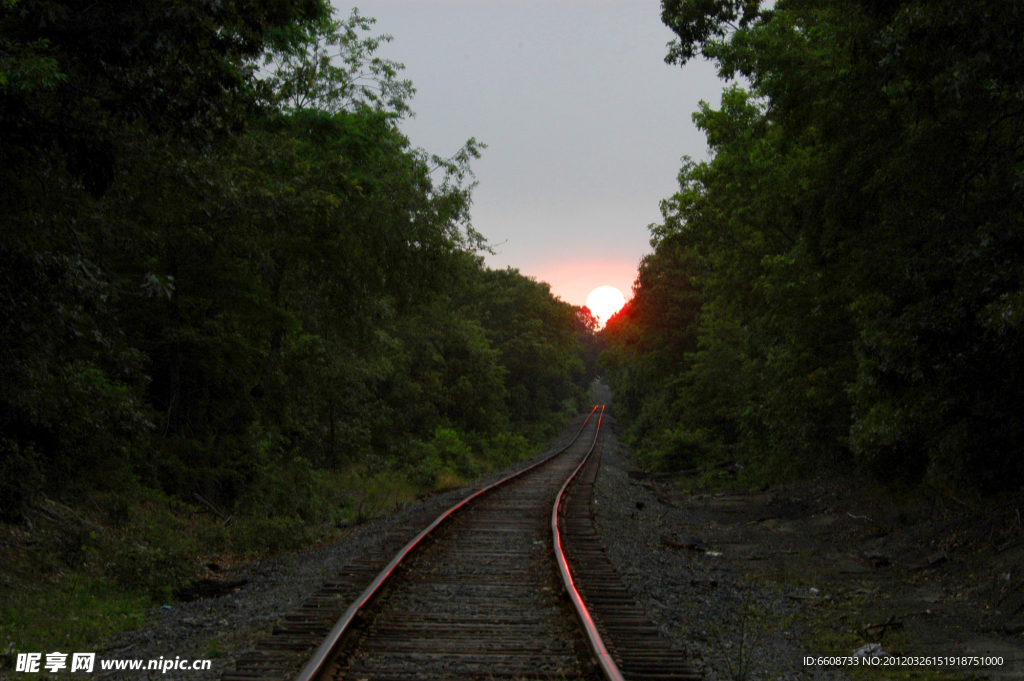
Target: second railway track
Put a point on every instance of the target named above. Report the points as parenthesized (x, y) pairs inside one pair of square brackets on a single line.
[(478, 595)]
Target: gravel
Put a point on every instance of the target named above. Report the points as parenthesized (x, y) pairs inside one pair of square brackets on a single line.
[(730, 629), (220, 629)]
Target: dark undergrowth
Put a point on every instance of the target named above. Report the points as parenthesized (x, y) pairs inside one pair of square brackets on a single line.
[(80, 568)]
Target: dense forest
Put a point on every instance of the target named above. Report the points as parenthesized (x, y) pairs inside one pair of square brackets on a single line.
[(840, 286), (229, 285)]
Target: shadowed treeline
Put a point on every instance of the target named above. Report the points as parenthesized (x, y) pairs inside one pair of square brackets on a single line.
[(226, 275), (840, 286)]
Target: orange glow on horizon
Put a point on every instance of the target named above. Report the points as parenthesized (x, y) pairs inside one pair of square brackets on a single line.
[(573, 280)]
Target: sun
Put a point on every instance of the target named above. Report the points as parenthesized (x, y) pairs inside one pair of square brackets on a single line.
[(604, 301)]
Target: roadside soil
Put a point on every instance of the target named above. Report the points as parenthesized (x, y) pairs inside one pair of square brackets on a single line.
[(922, 575)]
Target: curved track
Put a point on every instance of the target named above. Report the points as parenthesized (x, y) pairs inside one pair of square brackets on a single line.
[(481, 594), (478, 598), (627, 644)]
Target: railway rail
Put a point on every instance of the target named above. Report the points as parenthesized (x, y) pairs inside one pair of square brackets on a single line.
[(481, 594)]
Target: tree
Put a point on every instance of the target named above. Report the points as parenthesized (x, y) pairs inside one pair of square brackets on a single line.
[(262, 278), (855, 231), (332, 69)]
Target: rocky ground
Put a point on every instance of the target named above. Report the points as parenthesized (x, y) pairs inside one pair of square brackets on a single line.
[(222, 628), (748, 584)]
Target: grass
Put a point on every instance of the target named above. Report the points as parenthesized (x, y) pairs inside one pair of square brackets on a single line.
[(826, 637), (373, 494), (70, 614), (213, 650), (66, 581), (97, 564)]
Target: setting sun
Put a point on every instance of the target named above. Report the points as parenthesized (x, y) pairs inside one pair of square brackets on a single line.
[(604, 301)]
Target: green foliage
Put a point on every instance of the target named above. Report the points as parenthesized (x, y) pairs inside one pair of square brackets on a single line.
[(160, 557), (680, 449), (425, 472), (854, 240), (445, 453), (506, 448), (699, 22), (450, 448), (287, 488), (536, 336), (238, 309), (38, 619), (259, 536), (227, 276), (331, 68), (156, 570), (76, 73), (28, 67)]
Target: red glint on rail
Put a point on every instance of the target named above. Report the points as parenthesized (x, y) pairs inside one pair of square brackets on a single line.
[(323, 652), (608, 666)]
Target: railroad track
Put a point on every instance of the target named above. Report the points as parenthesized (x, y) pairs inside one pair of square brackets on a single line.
[(481, 594)]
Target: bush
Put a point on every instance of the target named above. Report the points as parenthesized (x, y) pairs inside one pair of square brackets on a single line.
[(508, 447), (425, 474), (680, 449), (446, 453), (454, 453), (159, 555), (157, 570), (288, 488), (213, 537), (263, 535)]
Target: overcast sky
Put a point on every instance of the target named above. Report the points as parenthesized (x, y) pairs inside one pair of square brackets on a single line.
[(585, 123)]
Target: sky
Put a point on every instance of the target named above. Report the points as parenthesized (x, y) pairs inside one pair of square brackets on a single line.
[(584, 122)]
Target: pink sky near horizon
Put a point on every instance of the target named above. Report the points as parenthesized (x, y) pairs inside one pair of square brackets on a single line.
[(585, 124), (574, 280)]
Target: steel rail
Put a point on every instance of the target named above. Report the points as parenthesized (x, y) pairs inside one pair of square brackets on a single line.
[(604, 658), (323, 652)]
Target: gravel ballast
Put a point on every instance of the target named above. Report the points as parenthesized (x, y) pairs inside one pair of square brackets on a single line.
[(729, 628), (223, 628)]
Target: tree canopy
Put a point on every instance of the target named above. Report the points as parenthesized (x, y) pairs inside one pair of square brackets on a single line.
[(850, 272), (222, 263)]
